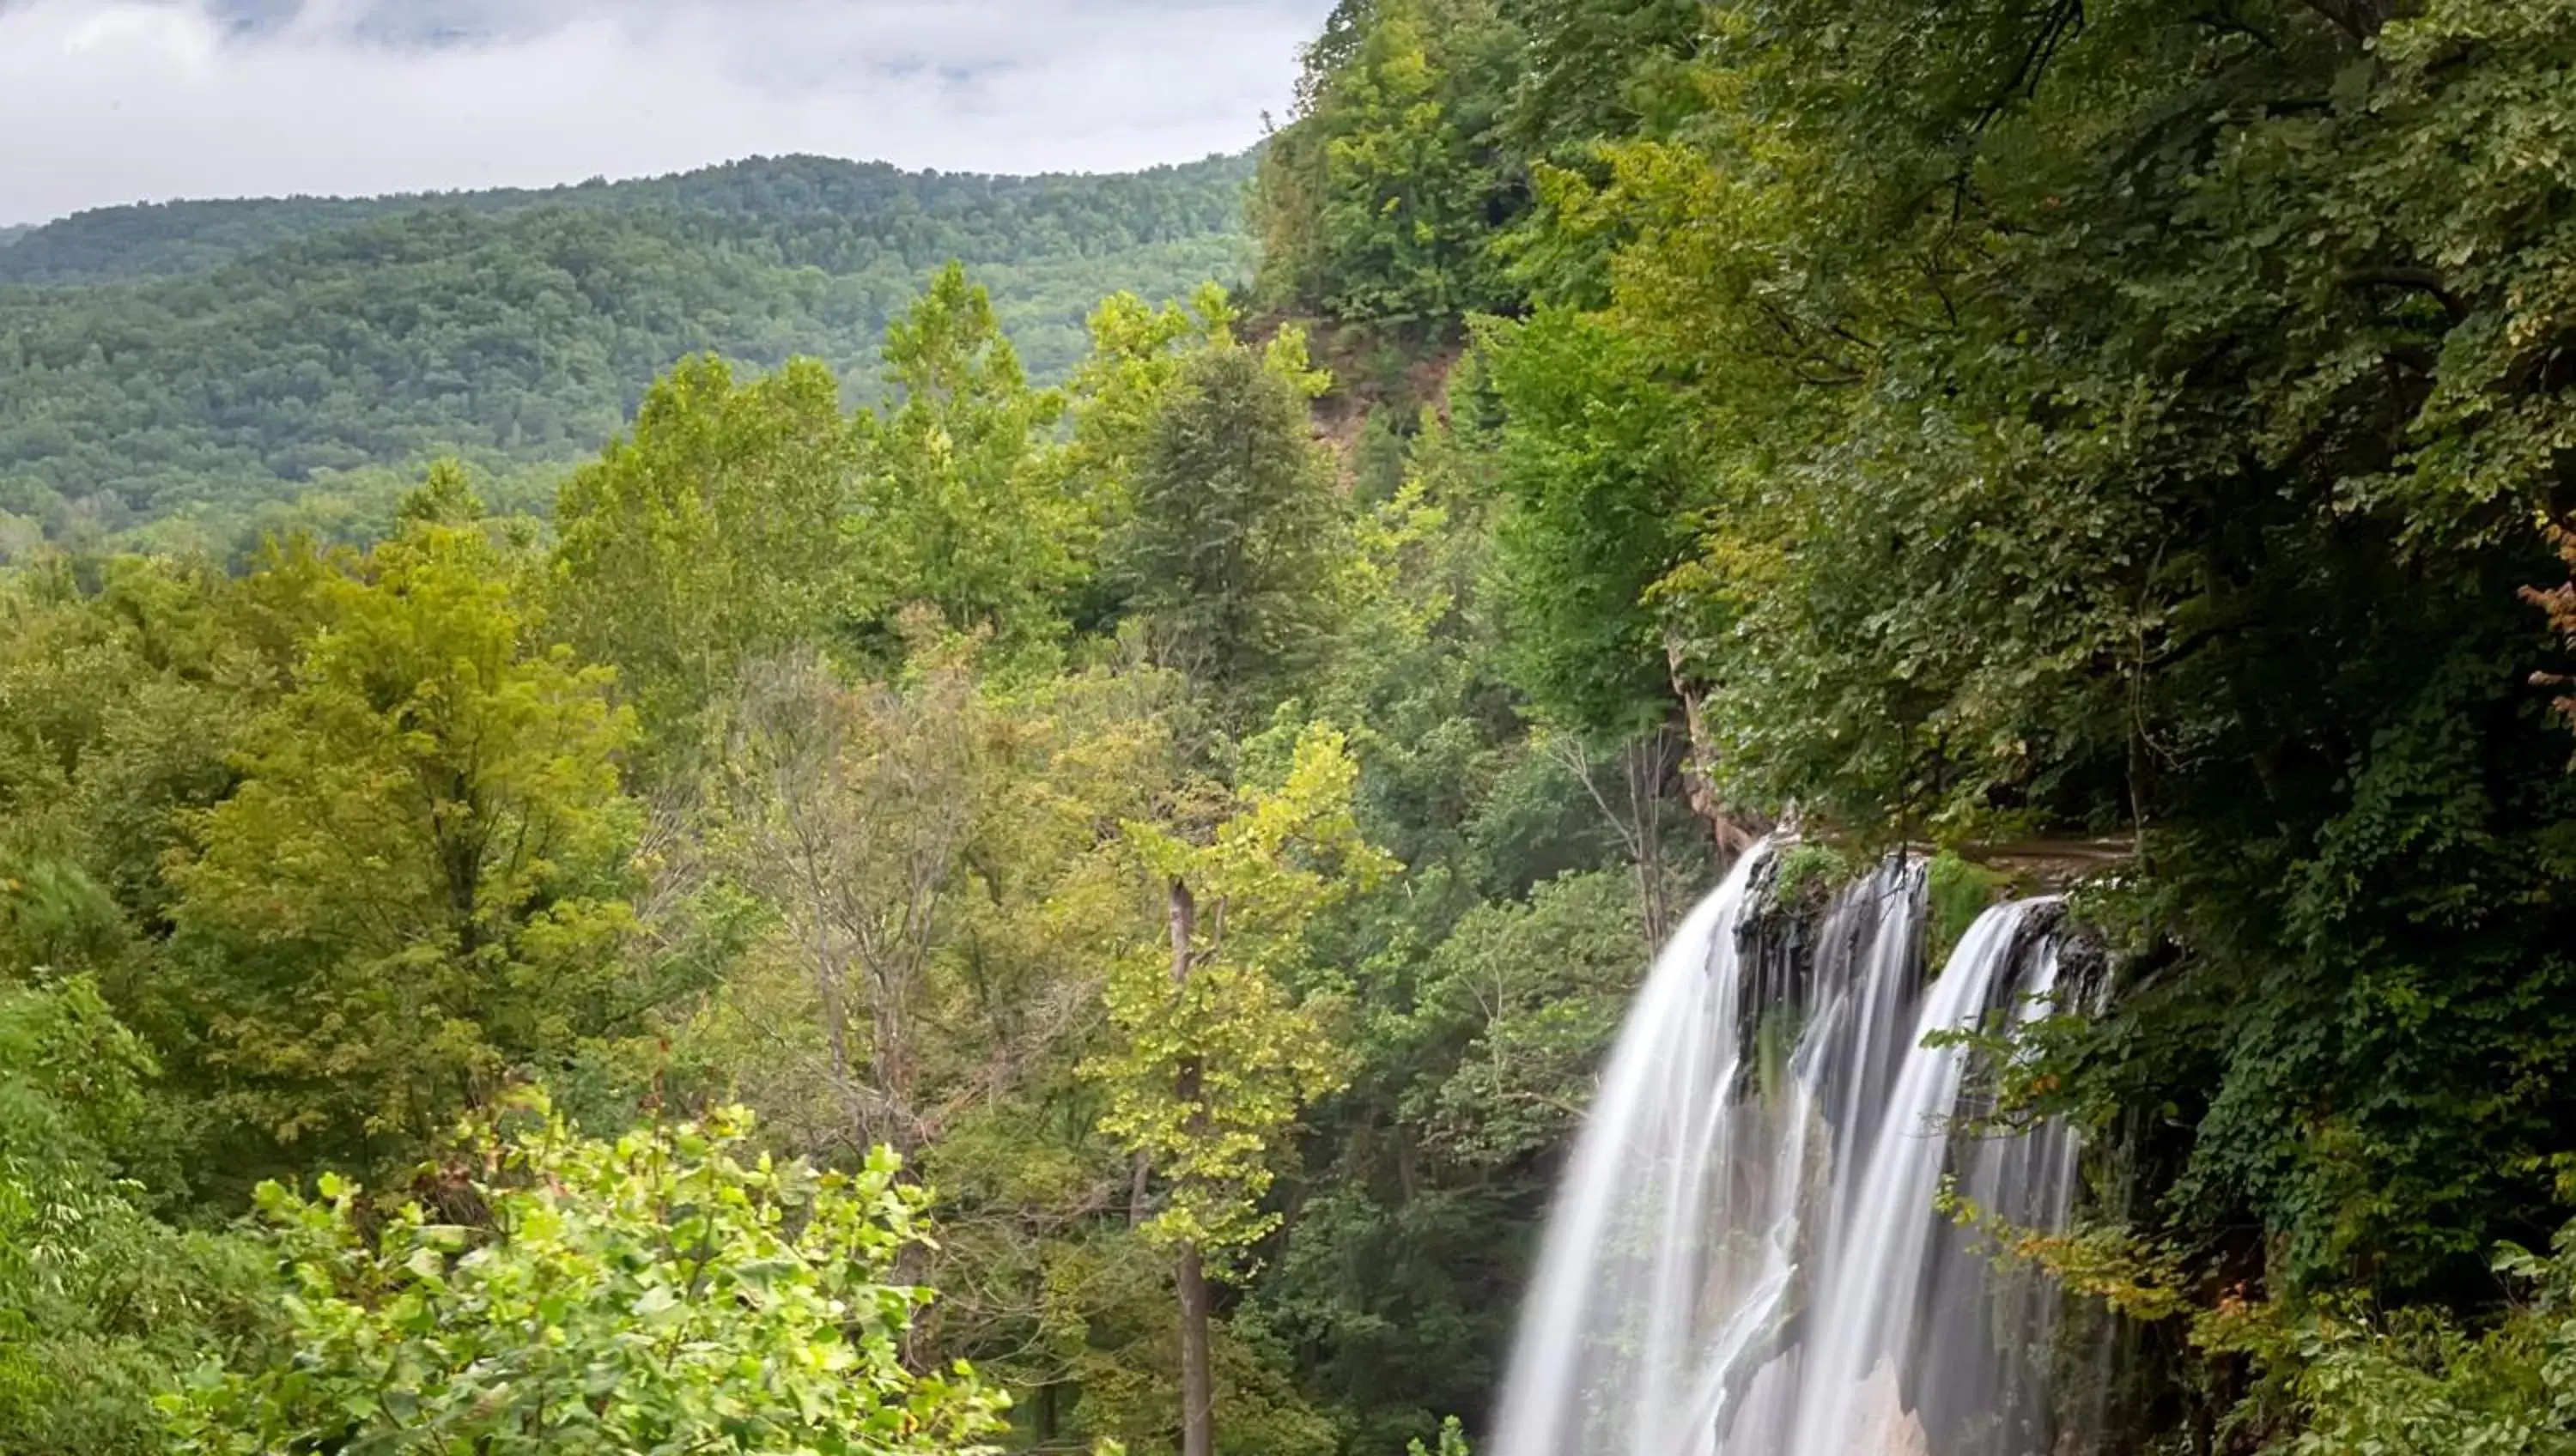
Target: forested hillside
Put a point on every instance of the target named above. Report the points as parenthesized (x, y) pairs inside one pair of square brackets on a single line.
[(212, 359), (847, 205), (1122, 874)]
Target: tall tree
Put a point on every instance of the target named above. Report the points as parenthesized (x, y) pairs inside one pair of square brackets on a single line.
[(1216, 1048), (1597, 465), (1377, 202), (961, 508), (1234, 553), (931, 849), (708, 535), (1138, 353)]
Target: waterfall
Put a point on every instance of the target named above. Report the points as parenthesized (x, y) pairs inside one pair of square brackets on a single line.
[(1744, 1259)]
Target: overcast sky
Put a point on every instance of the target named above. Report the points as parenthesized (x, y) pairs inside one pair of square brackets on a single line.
[(109, 101)]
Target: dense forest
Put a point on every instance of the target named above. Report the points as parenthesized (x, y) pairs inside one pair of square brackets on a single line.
[(182, 375), (987, 898)]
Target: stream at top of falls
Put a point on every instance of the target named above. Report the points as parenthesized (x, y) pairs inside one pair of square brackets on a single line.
[(1745, 1258)]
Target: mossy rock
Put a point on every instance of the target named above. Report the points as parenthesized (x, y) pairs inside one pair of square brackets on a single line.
[(1956, 891)]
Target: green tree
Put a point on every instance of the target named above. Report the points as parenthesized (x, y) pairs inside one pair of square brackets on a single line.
[(931, 850), (961, 507), (416, 884), (709, 535), (1378, 201), (1215, 1049), (1596, 463), (120, 695), (663, 1291), (101, 1305), (1138, 353), (1234, 554)]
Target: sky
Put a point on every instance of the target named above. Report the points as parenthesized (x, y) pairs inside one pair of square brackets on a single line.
[(114, 101)]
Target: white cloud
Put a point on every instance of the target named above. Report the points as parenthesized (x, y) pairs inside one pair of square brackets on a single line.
[(108, 101)]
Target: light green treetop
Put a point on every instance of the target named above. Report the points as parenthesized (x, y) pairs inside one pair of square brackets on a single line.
[(1216, 1054), (961, 506), (709, 535)]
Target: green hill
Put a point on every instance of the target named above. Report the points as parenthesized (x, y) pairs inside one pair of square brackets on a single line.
[(213, 357)]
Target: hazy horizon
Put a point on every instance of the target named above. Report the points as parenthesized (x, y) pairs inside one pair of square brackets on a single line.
[(432, 193), (148, 101)]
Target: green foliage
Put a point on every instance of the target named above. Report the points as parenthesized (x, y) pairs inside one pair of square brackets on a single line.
[(1956, 891), (1120, 387), (100, 1306), (2076, 420), (1808, 873), (2414, 1383), (855, 208), (1594, 69), (708, 536), (941, 891), (1956, 408), (1527, 996), (1374, 203), (1453, 1441), (1999, 422), (665, 1290), (1599, 487), (1130, 1349), (416, 884), (1215, 1052), (959, 509), (119, 696), (813, 762), (2133, 1277)]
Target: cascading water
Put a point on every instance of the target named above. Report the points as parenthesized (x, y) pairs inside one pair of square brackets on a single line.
[(1745, 1259)]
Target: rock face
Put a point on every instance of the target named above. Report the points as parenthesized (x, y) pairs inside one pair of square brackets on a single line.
[(1885, 1426)]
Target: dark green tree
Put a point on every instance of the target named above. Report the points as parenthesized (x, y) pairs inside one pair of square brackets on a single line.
[(1232, 558)]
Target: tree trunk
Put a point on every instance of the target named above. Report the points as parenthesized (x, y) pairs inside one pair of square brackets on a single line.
[(1645, 766), (1733, 832), (1198, 1396)]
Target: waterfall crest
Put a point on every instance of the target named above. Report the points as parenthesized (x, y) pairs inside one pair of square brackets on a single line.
[(1744, 1259)]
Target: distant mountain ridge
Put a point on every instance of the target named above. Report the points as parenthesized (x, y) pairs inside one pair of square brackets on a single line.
[(164, 239), (207, 360)]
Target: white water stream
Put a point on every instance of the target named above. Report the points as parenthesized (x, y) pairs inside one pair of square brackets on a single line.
[(1745, 1259)]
